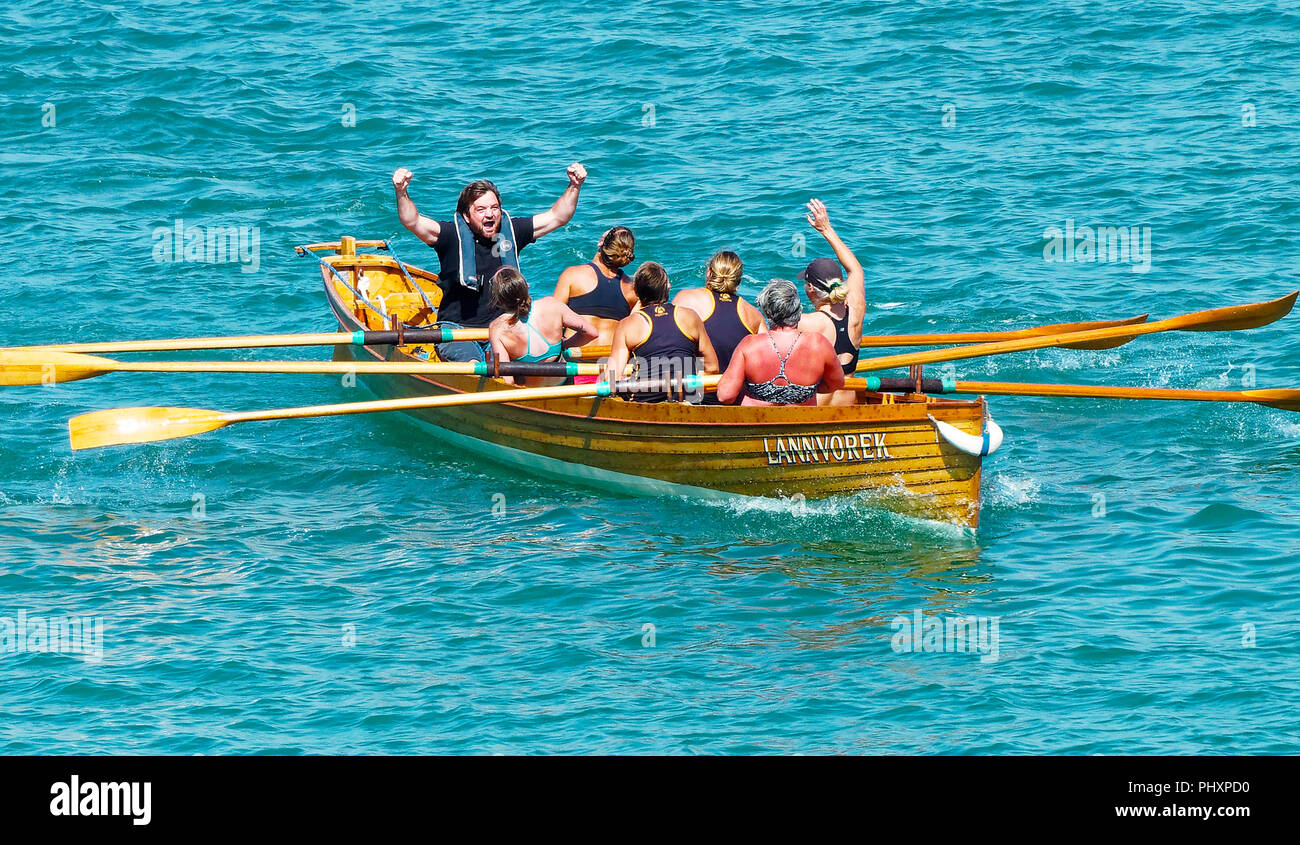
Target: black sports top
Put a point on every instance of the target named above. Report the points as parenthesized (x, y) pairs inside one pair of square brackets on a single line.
[(666, 350), (843, 343), (605, 299), (726, 329)]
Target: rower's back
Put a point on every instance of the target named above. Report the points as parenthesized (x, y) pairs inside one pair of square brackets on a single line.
[(728, 318), (599, 289), (785, 365), (665, 340)]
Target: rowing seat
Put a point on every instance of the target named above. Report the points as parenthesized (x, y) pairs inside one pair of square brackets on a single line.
[(409, 308), (390, 294)]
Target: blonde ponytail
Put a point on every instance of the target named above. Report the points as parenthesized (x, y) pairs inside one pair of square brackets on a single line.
[(724, 272)]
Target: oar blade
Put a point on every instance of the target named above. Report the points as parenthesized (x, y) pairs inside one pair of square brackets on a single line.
[(1107, 343), (1237, 317), (118, 426), (20, 367), (1286, 399)]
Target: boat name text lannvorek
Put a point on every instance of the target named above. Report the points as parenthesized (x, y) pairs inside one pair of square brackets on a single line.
[(803, 450)]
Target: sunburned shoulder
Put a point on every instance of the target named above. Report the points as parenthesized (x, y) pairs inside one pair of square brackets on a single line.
[(819, 343)]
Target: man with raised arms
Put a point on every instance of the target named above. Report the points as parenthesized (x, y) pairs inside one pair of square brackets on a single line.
[(479, 240)]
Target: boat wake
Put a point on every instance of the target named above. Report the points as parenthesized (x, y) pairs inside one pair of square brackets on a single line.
[(860, 516)]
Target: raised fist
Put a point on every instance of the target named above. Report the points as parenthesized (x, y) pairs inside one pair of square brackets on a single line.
[(401, 178)]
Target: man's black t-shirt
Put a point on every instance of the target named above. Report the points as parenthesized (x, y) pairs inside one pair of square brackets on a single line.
[(460, 304)]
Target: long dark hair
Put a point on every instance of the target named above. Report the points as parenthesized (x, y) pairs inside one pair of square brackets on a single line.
[(510, 292)]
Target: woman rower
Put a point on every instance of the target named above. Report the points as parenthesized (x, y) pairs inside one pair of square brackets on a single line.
[(727, 318), (600, 289), (839, 307), (785, 365), (667, 339), (532, 332)]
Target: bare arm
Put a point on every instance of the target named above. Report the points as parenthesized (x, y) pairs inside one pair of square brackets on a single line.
[(733, 380), (584, 331), (562, 211), (422, 227), (832, 373), (618, 352), (495, 332), (857, 299), (564, 284)]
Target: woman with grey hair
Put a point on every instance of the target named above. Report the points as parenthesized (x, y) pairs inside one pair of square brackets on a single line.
[(784, 366)]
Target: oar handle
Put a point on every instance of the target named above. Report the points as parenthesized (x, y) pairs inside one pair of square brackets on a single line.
[(527, 369), (673, 385), (879, 384), (403, 337)]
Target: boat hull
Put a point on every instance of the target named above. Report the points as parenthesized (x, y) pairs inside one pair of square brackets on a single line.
[(889, 452)]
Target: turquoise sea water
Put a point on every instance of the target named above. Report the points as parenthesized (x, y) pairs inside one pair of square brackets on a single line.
[(348, 585)]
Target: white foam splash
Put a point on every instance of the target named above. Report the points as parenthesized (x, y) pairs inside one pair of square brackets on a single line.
[(862, 508), (795, 506), (1288, 429), (1013, 490)]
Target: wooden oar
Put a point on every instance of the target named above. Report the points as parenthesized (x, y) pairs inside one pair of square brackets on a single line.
[(890, 341), (142, 425), (257, 341), (27, 367), (1230, 318), (1286, 399), (440, 335), (117, 426)]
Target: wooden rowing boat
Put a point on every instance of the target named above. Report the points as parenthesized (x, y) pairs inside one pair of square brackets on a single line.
[(885, 449)]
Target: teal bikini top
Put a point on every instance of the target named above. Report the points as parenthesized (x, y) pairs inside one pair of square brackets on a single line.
[(552, 352)]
